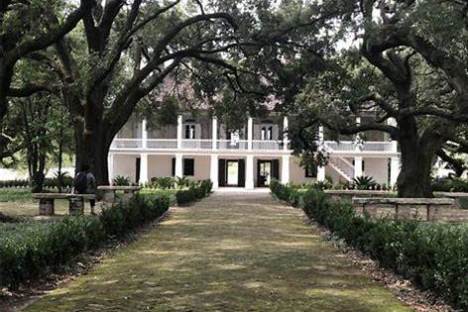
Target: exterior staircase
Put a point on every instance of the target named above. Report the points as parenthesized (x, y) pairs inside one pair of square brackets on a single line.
[(341, 165)]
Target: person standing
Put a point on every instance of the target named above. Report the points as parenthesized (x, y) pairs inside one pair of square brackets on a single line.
[(85, 183)]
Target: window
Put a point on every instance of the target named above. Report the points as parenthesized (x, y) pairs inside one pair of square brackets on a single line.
[(189, 167), (267, 133), (190, 131), (311, 171)]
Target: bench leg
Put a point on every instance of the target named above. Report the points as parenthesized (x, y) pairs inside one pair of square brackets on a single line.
[(46, 207), (109, 197), (76, 206)]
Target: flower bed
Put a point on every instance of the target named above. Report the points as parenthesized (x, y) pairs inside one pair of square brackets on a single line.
[(433, 255), (31, 249)]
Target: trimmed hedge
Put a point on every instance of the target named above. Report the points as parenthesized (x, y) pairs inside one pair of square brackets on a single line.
[(434, 256), (48, 183), (197, 190), (30, 250)]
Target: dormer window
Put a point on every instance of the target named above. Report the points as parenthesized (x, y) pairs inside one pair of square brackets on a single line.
[(190, 131)]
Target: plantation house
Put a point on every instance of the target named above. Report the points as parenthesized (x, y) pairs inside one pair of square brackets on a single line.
[(201, 148)]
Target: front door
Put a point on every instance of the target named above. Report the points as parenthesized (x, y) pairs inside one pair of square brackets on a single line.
[(232, 176), (266, 171), (231, 172)]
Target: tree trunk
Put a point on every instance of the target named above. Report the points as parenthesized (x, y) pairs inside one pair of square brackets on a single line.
[(60, 160), (92, 149), (6, 74), (415, 176)]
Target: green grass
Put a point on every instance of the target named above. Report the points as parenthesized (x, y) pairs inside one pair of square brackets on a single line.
[(225, 253), (15, 195)]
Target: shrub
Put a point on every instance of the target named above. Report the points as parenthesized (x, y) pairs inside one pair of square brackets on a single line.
[(434, 256), (124, 217), (279, 190), (121, 181), (450, 184), (14, 183), (163, 183), (197, 190), (29, 250), (364, 183)]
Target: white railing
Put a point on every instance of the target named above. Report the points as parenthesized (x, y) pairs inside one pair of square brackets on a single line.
[(366, 146), (340, 146), (197, 144), (232, 145), (267, 145), (161, 143), (127, 143)]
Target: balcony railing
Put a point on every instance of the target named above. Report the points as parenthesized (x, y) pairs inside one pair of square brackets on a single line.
[(232, 145), (365, 146), (161, 143), (267, 145), (273, 145), (197, 144)]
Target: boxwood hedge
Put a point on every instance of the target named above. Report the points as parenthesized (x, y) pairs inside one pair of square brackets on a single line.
[(433, 255), (197, 190), (31, 249)]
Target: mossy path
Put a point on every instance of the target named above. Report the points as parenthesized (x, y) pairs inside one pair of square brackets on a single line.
[(225, 253)]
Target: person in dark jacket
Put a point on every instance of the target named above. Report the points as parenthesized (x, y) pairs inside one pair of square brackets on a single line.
[(85, 183)]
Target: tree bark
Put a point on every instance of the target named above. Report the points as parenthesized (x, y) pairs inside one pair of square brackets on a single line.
[(414, 180), (92, 150)]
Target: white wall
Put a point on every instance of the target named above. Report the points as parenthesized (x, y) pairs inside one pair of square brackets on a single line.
[(202, 167), (125, 165), (297, 173), (159, 166), (377, 168)]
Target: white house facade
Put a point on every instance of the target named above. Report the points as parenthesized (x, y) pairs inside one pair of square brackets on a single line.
[(201, 148)]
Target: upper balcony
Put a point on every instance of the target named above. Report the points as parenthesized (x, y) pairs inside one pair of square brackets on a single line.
[(196, 144), (206, 134)]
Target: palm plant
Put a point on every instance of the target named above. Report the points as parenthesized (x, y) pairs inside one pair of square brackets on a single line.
[(364, 183)]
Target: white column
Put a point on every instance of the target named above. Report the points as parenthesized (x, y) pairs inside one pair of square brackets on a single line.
[(358, 167), (392, 122), (214, 132), (179, 166), (285, 133), (144, 168), (214, 168), (285, 169), (394, 170), (321, 135), (250, 133), (320, 174), (321, 170), (249, 173), (110, 167), (179, 131), (144, 134)]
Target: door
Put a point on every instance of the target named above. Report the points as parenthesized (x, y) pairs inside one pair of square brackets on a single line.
[(222, 172), (264, 172), (137, 172), (232, 173)]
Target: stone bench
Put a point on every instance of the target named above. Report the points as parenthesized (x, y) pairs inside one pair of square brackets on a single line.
[(425, 209), (75, 207), (109, 192)]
